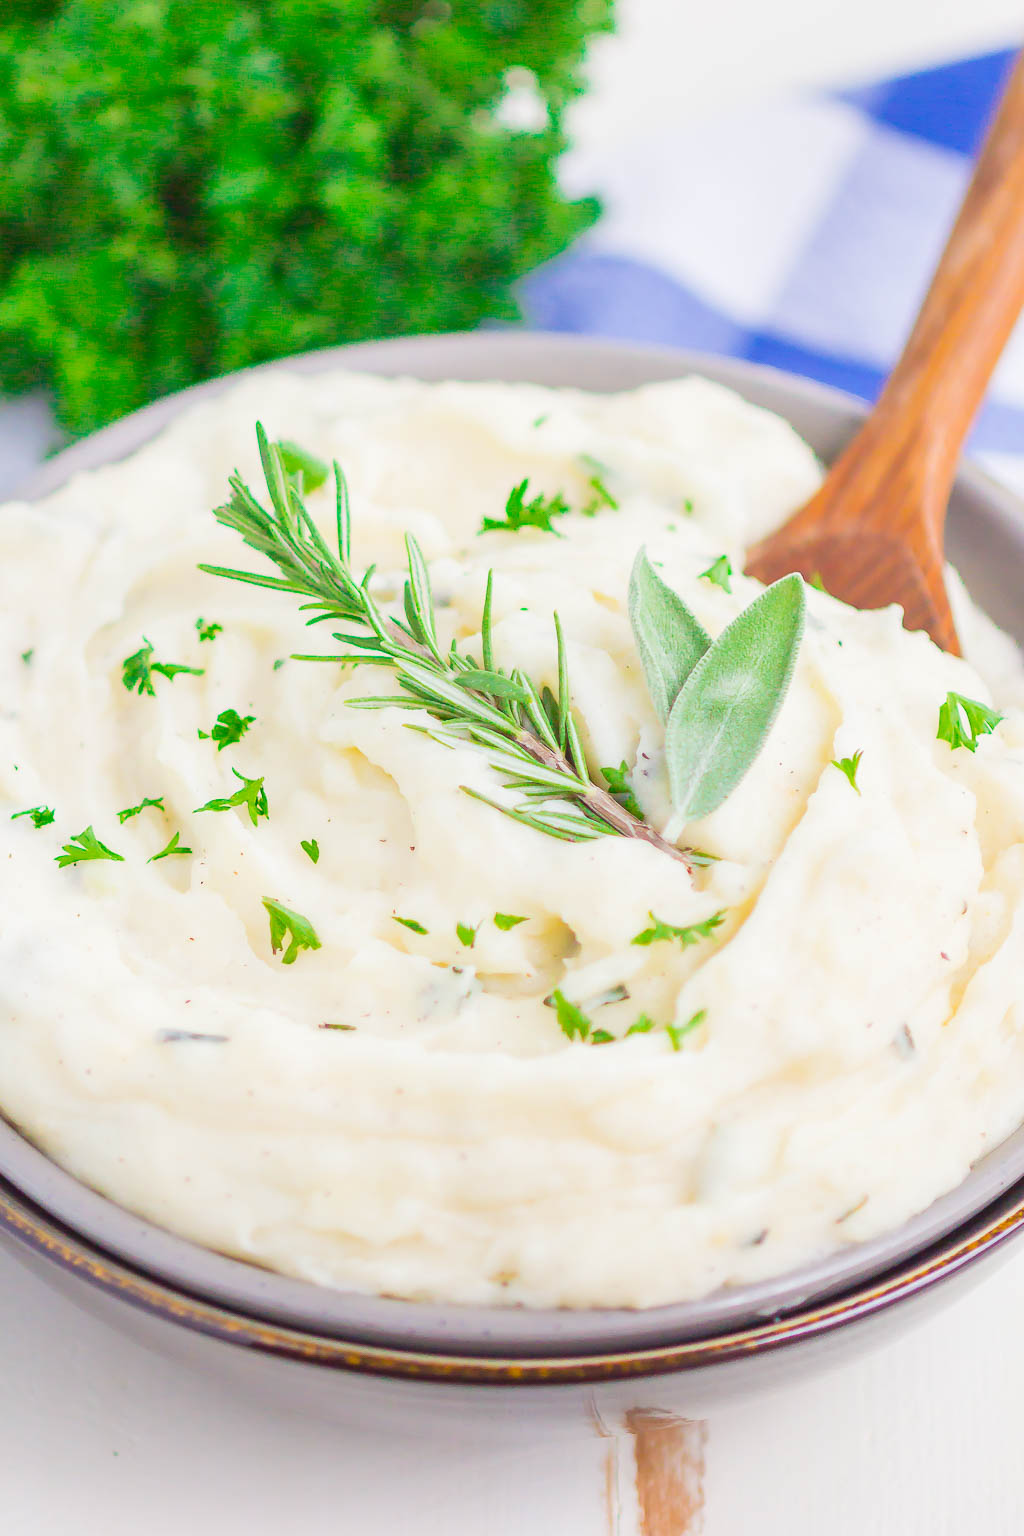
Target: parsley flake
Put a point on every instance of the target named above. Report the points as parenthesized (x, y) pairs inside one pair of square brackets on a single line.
[(134, 810), (600, 496), (229, 728), (963, 721), (137, 670), (678, 1032), (620, 787), (26, 656), (171, 848), (41, 815), (311, 848), (719, 572), (601, 1037), (410, 923), (300, 931), (641, 1026), (849, 766), (507, 920), (520, 513), (83, 847), (252, 795), (692, 933), (572, 1021), (466, 934), (208, 631), (309, 471)]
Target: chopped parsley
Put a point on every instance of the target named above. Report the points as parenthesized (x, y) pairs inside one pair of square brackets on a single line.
[(26, 656), (620, 788), (134, 810), (963, 721), (692, 933), (719, 572), (252, 795), (688, 506), (466, 934), (171, 848), (283, 921), (41, 815), (310, 472), (520, 513), (576, 1025), (507, 920), (83, 847), (600, 496), (137, 670), (311, 848), (229, 728), (279, 663), (410, 923), (572, 1021), (678, 1032), (208, 631), (849, 766)]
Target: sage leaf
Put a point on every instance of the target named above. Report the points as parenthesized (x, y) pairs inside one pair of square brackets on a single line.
[(725, 708), (668, 637)]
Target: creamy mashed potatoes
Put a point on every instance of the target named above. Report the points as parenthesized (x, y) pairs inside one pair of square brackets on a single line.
[(860, 1034)]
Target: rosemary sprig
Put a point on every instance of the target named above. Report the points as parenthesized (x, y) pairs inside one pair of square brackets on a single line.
[(528, 734)]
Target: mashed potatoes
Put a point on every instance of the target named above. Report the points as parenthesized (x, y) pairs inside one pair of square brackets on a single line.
[(399, 1110)]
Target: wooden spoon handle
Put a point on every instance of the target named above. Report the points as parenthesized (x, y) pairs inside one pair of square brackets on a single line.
[(922, 417)]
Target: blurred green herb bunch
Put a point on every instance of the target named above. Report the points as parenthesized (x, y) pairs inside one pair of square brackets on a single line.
[(189, 186)]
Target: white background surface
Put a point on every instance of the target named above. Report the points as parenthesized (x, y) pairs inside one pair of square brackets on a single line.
[(922, 1439)]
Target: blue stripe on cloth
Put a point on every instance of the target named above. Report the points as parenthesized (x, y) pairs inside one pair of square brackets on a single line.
[(998, 429), (841, 372), (586, 293), (598, 295), (949, 106)]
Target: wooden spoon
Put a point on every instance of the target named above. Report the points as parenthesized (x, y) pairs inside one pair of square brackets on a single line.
[(873, 533)]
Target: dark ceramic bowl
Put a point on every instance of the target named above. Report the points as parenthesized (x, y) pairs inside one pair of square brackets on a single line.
[(403, 1388), (282, 1316)]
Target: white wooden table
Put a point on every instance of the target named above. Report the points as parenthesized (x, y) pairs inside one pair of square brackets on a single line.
[(922, 1439)]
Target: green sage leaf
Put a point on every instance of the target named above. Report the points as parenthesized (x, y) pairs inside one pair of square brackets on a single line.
[(726, 707), (668, 637)]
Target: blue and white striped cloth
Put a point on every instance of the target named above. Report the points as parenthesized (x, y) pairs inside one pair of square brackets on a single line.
[(800, 233)]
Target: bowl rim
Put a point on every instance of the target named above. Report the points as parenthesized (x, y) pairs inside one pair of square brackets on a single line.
[(238, 1284), (979, 1239)]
